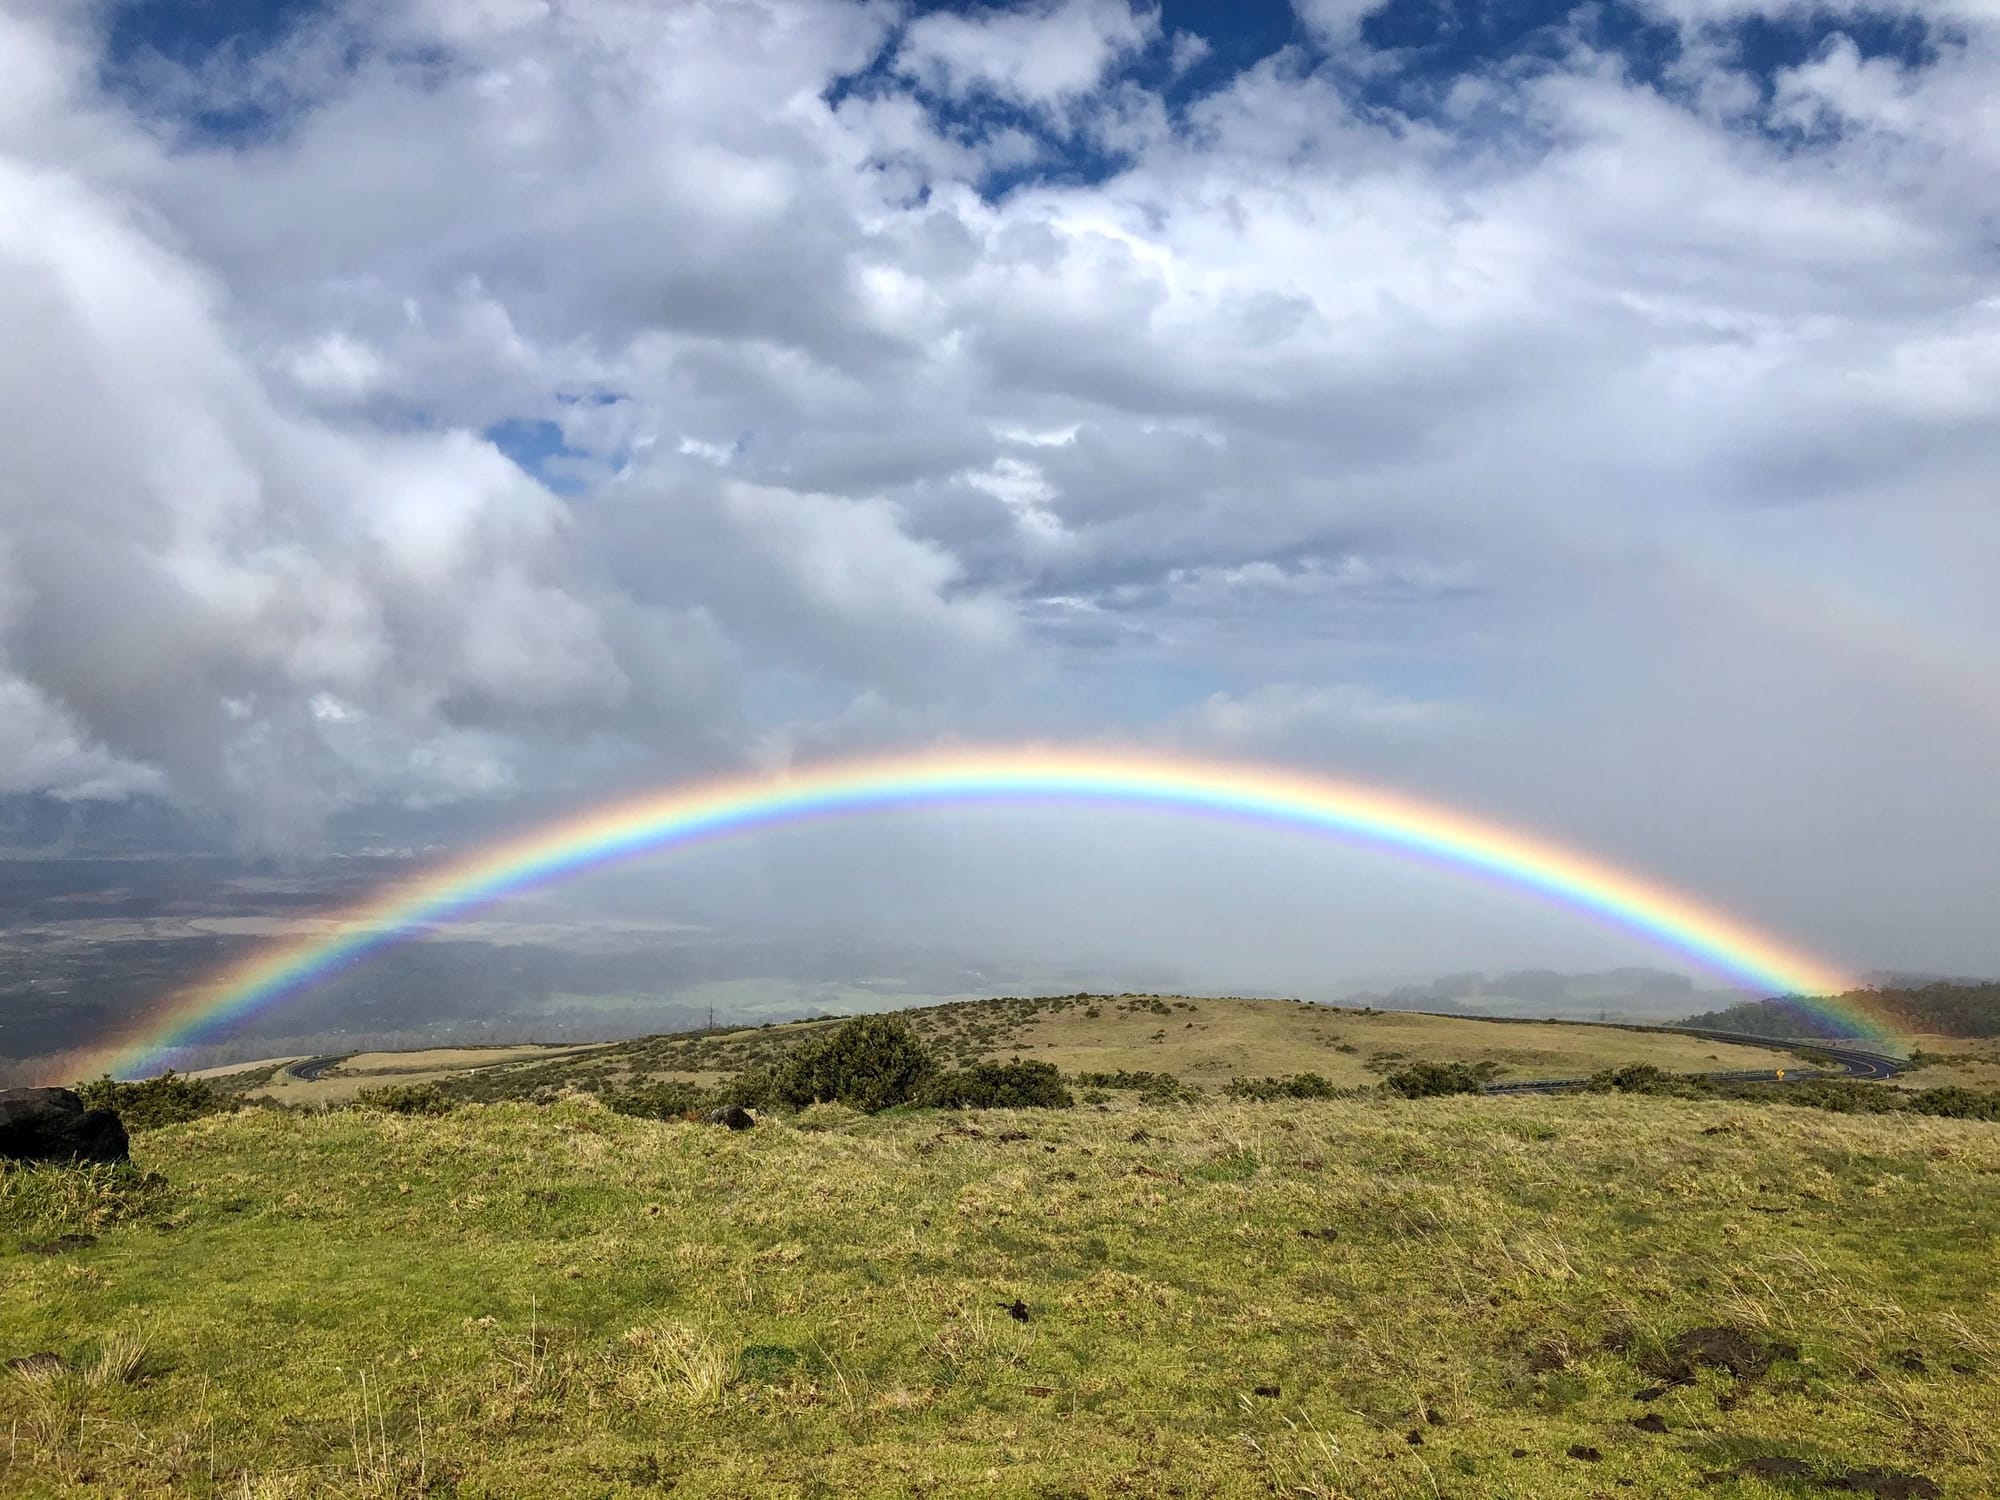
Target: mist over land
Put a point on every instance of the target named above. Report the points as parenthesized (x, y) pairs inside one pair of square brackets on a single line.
[(100, 927)]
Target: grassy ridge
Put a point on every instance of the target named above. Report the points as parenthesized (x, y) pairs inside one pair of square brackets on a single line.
[(1346, 1298), (1204, 1042)]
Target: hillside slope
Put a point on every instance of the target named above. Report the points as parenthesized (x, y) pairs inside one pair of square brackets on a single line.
[(1557, 1298), (1201, 1041)]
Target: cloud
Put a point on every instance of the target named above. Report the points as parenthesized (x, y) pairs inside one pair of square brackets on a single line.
[(1043, 55), (1488, 424), (1277, 717), (1336, 22)]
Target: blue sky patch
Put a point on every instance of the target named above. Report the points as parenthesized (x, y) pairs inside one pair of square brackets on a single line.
[(1430, 43), (538, 446)]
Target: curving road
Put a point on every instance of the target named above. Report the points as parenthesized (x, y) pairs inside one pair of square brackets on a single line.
[(308, 1070), (1842, 1062)]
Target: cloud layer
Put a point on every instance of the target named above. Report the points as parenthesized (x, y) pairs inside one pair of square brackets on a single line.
[(1595, 433)]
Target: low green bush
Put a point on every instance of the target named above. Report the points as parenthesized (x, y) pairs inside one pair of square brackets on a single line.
[(991, 1085), (668, 1100), (1141, 1080), (753, 1088), (1424, 1080), (149, 1102), (1293, 1086), (1956, 1103), (868, 1063), (1641, 1078)]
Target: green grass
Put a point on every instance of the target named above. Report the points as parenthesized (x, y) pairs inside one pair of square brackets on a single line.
[(1232, 1299)]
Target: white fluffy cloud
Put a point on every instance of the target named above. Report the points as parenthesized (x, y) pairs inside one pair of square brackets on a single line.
[(1277, 419), (1042, 55)]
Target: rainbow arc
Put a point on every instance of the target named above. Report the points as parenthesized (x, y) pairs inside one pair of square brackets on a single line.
[(741, 806)]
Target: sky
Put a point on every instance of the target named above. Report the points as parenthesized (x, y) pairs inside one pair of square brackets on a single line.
[(1584, 416)]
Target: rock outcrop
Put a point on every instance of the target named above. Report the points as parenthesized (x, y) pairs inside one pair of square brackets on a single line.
[(52, 1125)]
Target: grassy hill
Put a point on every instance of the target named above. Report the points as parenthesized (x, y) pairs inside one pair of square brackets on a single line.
[(1570, 1297), (1205, 1042)]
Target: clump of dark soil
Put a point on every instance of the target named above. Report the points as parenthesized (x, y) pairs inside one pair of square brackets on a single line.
[(1744, 1355), (1651, 1422), (1548, 1356), (1586, 1454), (1887, 1484)]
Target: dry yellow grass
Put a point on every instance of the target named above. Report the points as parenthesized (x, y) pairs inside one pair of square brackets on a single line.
[(1969, 1062), (1211, 1041), (367, 1070), (231, 1070)]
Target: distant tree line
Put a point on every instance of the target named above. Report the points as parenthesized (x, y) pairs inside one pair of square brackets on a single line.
[(1943, 1009)]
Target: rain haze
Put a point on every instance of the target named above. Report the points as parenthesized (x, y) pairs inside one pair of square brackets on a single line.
[(422, 420)]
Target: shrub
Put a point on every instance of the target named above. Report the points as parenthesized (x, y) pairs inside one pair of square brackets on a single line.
[(659, 1100), (1637, 1078), (991, 1085), (1956, 1103), (406, 1099), (1296, 1086), (870, 1063), (753, 1088), (1836, 1095), (149, 1102), (1141, 1080), (1424, 1080)]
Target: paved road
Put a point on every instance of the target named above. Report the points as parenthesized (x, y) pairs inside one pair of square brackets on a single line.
[(1837, 1062), (308, 1070)]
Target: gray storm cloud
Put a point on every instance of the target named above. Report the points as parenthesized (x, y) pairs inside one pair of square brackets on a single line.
[(1536, 446)]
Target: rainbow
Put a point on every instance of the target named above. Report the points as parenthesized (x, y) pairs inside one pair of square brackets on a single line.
[(735, 807)]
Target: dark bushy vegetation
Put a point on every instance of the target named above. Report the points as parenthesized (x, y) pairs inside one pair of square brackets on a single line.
[(150, 1102), (1122, 1079), (662, 1100), (991, 1085), (1152, 1088), (1852, 1097), (1963, 1010), (1295, 1086), (406, 1099), (1642, 1078), (1847, 1096), (1424, 1080), (868, 1063)]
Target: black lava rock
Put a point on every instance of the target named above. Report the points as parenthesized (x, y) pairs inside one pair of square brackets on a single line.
[(52, 1125)]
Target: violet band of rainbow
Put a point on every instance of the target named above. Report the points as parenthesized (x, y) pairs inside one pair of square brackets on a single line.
[(739, 806)]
